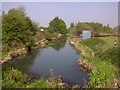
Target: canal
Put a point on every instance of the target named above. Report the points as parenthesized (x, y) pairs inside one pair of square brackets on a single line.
[(60, 56)]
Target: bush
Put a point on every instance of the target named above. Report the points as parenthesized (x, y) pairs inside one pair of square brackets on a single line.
[(49, 35)]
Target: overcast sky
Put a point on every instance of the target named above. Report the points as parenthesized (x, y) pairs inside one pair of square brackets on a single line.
[(43, 13)]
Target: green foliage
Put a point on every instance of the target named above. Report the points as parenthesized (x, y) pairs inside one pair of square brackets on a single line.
[(13, 78), (107, 29), (72, 25), (58, 44), (42, 83), (93, 43), (78, 29), (35, 27), (38, 84), (96, 28), (58, 25), (112, 55), (39, 36), (49, 35), (17, 29), (102, 75), (105, 63)]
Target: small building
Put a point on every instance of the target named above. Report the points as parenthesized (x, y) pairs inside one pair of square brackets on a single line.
[(86, 34)]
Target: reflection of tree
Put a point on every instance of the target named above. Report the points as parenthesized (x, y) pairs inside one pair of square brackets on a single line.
[(24, 62), (57, 45)]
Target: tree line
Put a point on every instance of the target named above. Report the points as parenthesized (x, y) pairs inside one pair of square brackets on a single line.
[(18, 30), (95, 27)]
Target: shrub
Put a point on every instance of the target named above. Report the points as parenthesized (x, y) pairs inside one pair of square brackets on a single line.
[(49, 35)]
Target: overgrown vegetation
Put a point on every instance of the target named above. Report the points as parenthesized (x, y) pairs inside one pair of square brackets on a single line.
[(93, 43), (102, 75), (38, 84), (17, 30), (96, 28), (105, 62), (14, 78)]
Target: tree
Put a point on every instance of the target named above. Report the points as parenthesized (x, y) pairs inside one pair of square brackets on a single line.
[(16, 29), (107, 29), (72, 25), (62, 27), (36, 27), (57, 25)]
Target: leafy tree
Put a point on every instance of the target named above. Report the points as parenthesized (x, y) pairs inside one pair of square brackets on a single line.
[(62, 27), (17, 29), (58, 25), (107, 29)]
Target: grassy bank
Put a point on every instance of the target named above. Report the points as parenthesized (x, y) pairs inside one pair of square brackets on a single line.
[(14, 78), (103, 56)]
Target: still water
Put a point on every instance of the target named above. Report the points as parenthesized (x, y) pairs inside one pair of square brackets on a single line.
[(60, 56)]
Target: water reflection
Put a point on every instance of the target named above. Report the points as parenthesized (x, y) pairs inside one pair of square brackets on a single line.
[(61, 57), (24, 62), (59, 44)]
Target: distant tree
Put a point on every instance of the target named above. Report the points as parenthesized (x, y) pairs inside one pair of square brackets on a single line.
[(72, 25), (107, 29), (79, 28), (57, 25), (36, 27), (3, 13), (62, 27)]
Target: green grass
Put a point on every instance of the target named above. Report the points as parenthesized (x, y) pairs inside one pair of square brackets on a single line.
[(102, 75), (93, 43), (112, 55), (109, 42), (38, 84), (100, 44), (105, 63), (13, 78), (42, 83)]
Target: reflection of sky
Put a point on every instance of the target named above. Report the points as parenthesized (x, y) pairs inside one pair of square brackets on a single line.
[(86, 34)]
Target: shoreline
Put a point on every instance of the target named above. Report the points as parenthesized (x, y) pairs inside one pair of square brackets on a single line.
[(90, 65), (85, 66), (22, 51)]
